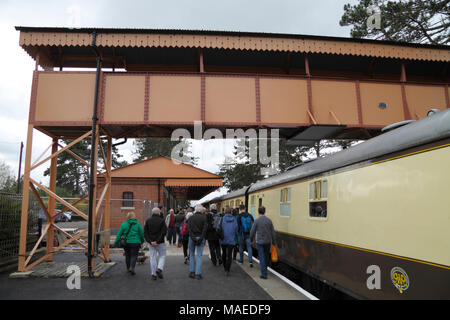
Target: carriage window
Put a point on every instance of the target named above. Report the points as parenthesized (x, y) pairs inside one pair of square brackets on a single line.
[(127, 199), (285, 202), (318, 192)]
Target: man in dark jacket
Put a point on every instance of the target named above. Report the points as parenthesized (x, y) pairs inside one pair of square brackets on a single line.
[(245, 222), (212, 237), (263, 234), (197, 225), (155, 230)]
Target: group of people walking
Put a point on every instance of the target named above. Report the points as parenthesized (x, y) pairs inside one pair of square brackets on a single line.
[(228, 233)]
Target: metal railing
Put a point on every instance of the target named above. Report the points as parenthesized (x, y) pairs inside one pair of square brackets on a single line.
[(10, 218)]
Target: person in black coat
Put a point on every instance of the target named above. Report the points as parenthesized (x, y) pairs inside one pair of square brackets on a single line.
[(155, 230), (197, 225), (212, 237)]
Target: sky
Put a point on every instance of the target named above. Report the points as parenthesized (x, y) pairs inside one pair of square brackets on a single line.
[(319, 17)]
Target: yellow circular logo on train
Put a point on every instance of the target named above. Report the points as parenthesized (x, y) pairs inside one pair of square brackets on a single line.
[(399, 279)]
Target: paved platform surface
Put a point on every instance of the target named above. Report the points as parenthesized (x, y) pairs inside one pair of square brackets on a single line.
[(116, 283)]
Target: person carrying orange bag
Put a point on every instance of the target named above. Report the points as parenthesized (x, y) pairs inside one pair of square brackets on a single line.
[(263, 234)]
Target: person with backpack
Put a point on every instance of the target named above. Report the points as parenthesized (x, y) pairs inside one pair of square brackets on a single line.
[(263, 234), (235, 213), (171, 228), (184, 234), (228, 227), (197, 225), (133, 234), (155, 230), (179, 218), (212, 237), (245, 223)]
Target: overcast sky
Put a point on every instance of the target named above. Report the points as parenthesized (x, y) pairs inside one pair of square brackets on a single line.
[(319, 17)]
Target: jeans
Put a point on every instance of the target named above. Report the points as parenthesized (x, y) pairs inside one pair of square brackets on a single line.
[(195, 262), (264, 257), (131, 253), (159, 250), (172, 235), (245, 241)]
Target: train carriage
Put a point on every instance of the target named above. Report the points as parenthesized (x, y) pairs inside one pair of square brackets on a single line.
[(373, 220)]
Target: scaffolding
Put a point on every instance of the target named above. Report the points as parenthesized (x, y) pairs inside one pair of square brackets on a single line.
[(49, 210)]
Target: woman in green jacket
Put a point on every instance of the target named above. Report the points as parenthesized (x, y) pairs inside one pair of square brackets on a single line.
[(132, 230)]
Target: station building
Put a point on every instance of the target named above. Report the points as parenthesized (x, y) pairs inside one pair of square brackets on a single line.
[(157, 181)]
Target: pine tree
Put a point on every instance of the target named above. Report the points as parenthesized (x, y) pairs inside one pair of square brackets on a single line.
[(72, 175), (155, 147), (405, 21)]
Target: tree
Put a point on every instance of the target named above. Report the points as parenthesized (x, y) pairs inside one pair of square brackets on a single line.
[(238, 171), (405, 21), (8, 182), (72, 175), (155, 147)]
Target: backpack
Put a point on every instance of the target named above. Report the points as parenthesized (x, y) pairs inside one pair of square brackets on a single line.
[(247, 223), (216, 220), (184, 229), (219, 229)]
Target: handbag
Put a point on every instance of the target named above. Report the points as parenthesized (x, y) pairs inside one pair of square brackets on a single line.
[(273, 254), (123, 239)]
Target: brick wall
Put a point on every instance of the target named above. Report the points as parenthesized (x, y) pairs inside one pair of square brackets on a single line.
[(142, 189)]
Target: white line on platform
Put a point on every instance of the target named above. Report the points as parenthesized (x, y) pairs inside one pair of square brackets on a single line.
[(289, 282)]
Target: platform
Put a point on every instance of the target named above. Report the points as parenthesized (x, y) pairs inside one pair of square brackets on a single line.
[(116, 283)]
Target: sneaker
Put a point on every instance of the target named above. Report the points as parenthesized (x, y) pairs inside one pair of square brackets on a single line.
[(263, 277), (132, 272), (159, 273), (192, 275), (186, 259), (198, 277), (154, 277), (240, 262), (251, 265)]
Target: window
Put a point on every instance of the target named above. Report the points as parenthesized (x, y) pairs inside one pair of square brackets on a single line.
[(127, 199), (252, 200), (259, 202), (318, 192), (285, 202)]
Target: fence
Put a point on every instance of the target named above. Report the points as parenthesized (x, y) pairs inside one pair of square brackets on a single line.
[(10, 217)]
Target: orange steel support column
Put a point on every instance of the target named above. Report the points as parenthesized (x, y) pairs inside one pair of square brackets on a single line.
[(25, 199), (108, 193), (51, 202)]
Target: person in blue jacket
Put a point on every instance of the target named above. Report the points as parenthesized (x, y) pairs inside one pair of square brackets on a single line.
[(229, 226)]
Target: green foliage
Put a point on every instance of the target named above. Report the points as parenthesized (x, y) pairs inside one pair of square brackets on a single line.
[(155, 147), (72, 176), (405, 21), (237, 171)]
